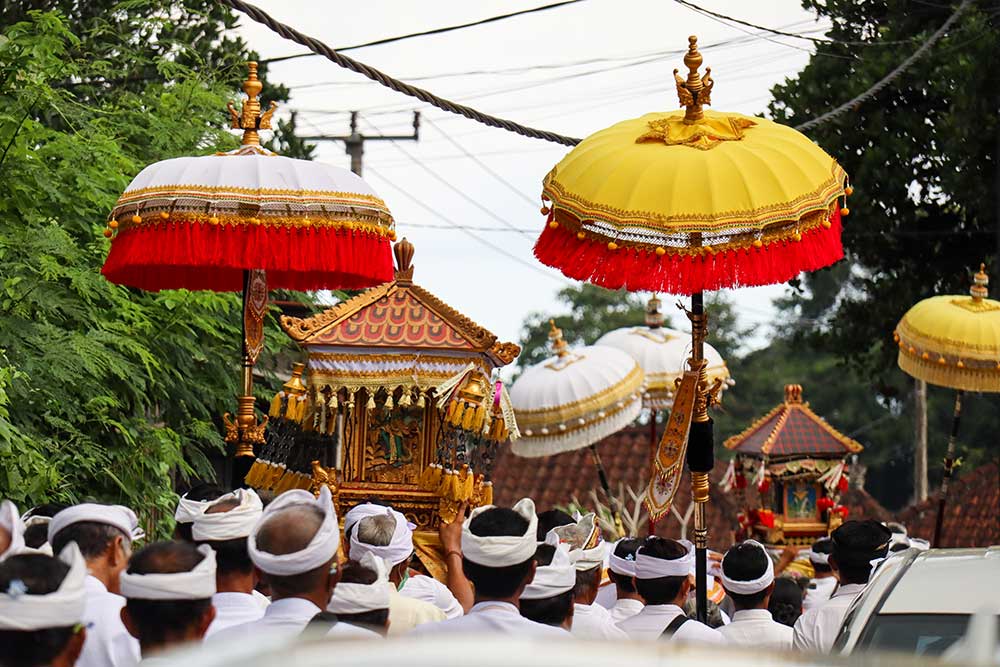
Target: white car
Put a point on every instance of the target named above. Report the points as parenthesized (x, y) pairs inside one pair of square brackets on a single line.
[(920, 602)]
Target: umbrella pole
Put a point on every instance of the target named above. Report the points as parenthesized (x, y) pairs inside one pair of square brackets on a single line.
[(700, 453), (949, 467), (602, 476), (245, 432), (652, 459)]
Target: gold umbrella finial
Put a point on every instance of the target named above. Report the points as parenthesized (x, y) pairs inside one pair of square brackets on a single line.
[(556, 340), (696, 90), (250, 120), (980, 284), (654, 318)]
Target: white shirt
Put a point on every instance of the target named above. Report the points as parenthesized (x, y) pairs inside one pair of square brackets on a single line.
[(817, 628), (234, 609), (429, 589), (491, 617), (819, 591), (625, 608), (342, 630), (108, 643), (283, 619), (607, 595), (592, 621), (756, 627), (650, 623)]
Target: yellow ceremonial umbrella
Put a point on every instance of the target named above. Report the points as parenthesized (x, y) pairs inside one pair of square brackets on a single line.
[(953, 341), (687, 201)]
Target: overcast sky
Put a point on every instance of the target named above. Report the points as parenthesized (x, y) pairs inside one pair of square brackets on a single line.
[(519, 69)]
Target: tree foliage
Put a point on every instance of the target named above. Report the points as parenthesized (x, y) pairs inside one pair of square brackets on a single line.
[(105, 392)]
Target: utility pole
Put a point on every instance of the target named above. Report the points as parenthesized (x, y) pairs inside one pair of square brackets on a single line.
[(920, 441), (354, 143)]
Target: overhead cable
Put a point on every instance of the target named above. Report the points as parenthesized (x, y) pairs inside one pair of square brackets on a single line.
[(434, 31)]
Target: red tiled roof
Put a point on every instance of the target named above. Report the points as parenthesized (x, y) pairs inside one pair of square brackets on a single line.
[(792, 429), (555, 480), (971, 515)]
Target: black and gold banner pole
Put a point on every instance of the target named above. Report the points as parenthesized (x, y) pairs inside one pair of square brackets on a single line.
[(950, 464), (700, 452)]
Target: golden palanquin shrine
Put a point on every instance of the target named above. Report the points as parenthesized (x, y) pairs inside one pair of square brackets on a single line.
[(797, 463), (369, 418)]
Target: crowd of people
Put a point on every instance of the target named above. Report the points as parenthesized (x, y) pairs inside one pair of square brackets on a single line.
[(72, 592)]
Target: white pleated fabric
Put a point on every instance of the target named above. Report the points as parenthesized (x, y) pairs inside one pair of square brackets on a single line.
[(198, 584), (187, 509), (359, 512), (231, 524), (751, 586), (23, 612), (554, 579), (621, 566), (117, 516), (361, 598), (648, 567), (501, 551), (321, 549)]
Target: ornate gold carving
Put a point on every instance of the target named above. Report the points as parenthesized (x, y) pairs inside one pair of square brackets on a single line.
[(323, 477), (251, 120), (244, 431), (674, 131), (254, 310), (505, 353), (696, 90), (403, 250)]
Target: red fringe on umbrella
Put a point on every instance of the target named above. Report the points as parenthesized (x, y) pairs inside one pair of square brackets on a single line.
[(641, 269), (198, 256)]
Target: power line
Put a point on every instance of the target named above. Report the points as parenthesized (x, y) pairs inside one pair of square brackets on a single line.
[(465, 230), (485, 167), (434, 31), (445, 182)]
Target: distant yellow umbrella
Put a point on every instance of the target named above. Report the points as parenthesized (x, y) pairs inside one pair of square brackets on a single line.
[(953, 341)]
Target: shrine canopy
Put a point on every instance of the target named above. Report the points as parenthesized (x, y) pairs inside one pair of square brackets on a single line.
[(397, 340), (792, 431)]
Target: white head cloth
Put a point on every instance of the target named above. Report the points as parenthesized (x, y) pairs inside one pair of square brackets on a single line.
[(818, 558), (62, 608), (649, 567), (359, 512), (231, 524), (361, 598), (741, 587), (400, 547), (10, 520), (502, 550), (187, 510), (584, 538), (117, 516), (621, 566), (321, 549), (555, 578), (198, 584)]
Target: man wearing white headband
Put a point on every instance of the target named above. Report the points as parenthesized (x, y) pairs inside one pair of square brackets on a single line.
[(360, 601), (824, 581), (36, 526), (663, 578), (387, 536), (294, 547), (590, 620), (191, 504), (11, 530), (168, 589), (410, 584), (104, 534), (548, 599), (498, 557), (748, 577), (621, 571), (41, 609), (224, 526)]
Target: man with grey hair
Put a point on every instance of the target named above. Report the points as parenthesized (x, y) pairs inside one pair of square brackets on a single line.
[(293, 547), (387, 537), (104, 535)]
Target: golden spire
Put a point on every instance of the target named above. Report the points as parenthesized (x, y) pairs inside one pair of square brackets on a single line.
[(980, 282), (696, 90), (556, 340), (251, 119), (654, 318)]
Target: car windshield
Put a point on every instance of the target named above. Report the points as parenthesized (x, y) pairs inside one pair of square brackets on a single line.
[(919, 634)]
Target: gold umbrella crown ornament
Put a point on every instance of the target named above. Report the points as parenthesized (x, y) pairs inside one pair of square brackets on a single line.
[(687, 201), (248, 219), (953, 341)]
